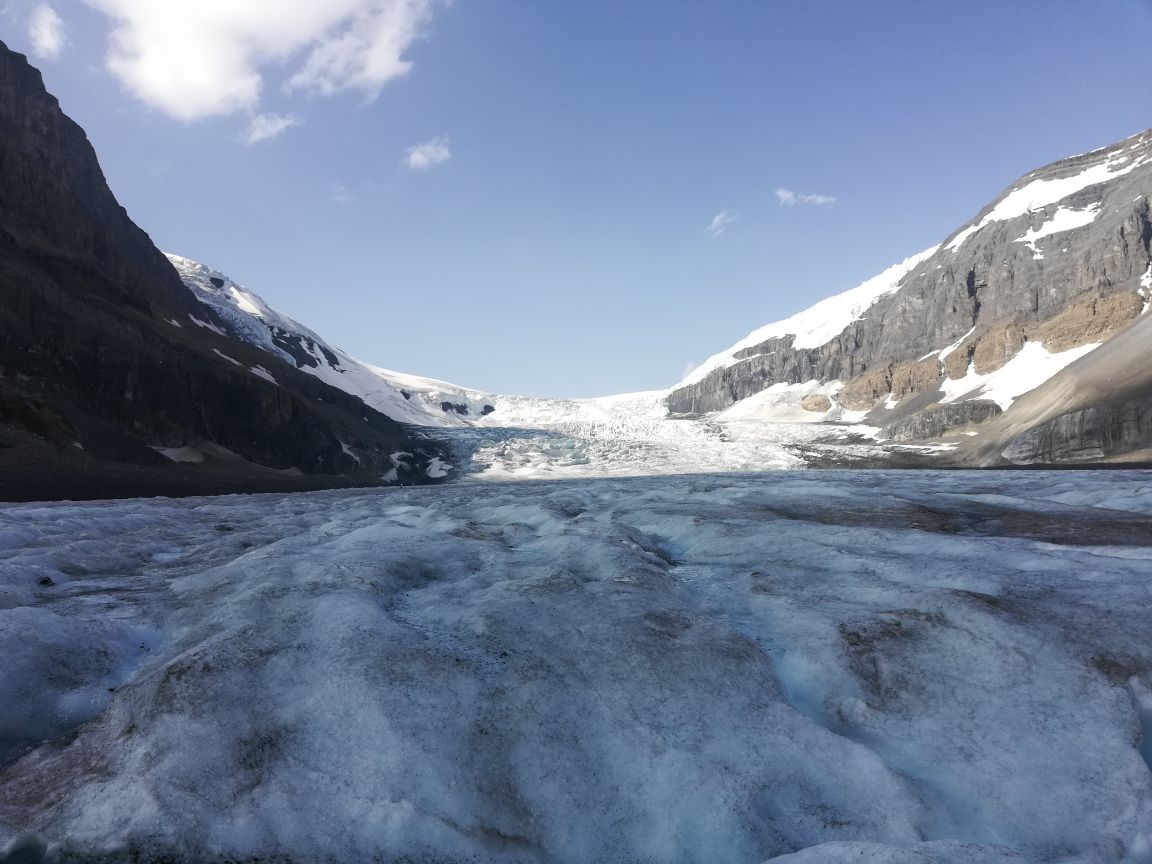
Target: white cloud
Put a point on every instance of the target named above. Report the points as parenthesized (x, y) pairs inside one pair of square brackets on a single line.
[(789, 198), (721, 221), (367, 51), (341, 194), (426, 156), (46, 30), (266, 126), (689, 368), (199, 58)]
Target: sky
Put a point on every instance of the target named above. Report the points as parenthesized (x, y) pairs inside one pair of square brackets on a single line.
[(573, 198)]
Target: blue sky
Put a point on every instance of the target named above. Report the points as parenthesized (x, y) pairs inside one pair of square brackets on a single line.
[(552, 237)]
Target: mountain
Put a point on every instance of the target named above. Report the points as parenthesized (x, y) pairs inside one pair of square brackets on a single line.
[(244, 316), (110, 369), (1042, 293)]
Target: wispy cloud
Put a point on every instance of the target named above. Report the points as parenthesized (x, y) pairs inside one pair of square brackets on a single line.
[(264, 127), (199, 58), (788, 198), (46, 30), (341, 194), (689, 368), (721, 221), (426, 156)]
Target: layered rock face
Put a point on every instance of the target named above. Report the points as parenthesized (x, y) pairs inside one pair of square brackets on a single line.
[(105, 354), (1061, 259)]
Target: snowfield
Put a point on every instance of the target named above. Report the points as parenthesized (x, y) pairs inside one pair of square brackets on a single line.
[(818, 666)]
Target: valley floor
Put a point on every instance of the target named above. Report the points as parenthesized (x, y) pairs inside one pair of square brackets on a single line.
[(867, 666)]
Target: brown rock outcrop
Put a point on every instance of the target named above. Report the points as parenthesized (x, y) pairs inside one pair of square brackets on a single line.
[(1088, 319), (996, 347), (957, 362), (864, 391), (909, 378)]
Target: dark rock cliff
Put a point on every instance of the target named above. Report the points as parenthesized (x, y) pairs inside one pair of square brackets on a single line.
[(100, 358)]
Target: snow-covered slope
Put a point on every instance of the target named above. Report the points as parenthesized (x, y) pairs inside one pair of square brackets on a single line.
[(407, 398), (819, 323), (1036, 192)]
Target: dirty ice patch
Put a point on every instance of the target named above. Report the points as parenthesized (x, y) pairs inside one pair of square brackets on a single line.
[(59, 672)]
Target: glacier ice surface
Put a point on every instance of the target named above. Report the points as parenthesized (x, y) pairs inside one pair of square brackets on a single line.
[(897, 668)]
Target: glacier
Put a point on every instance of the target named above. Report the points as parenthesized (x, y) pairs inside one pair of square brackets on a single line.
[(794, 666)]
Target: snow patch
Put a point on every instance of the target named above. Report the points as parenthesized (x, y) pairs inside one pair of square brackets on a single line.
[(206, 325), (181, 454), (947, 351), (781, 403), (1038, 194), (1030, 368), (261, 372), (1064, 219), (245, 302), (231, 360), (437, 468)]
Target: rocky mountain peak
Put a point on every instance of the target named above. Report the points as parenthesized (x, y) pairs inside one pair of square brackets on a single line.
[(1054, 266)]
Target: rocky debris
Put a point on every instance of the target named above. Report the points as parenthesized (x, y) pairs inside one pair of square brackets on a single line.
[(816, 402), (1096, 409), (938, 420), (1092, 435)]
